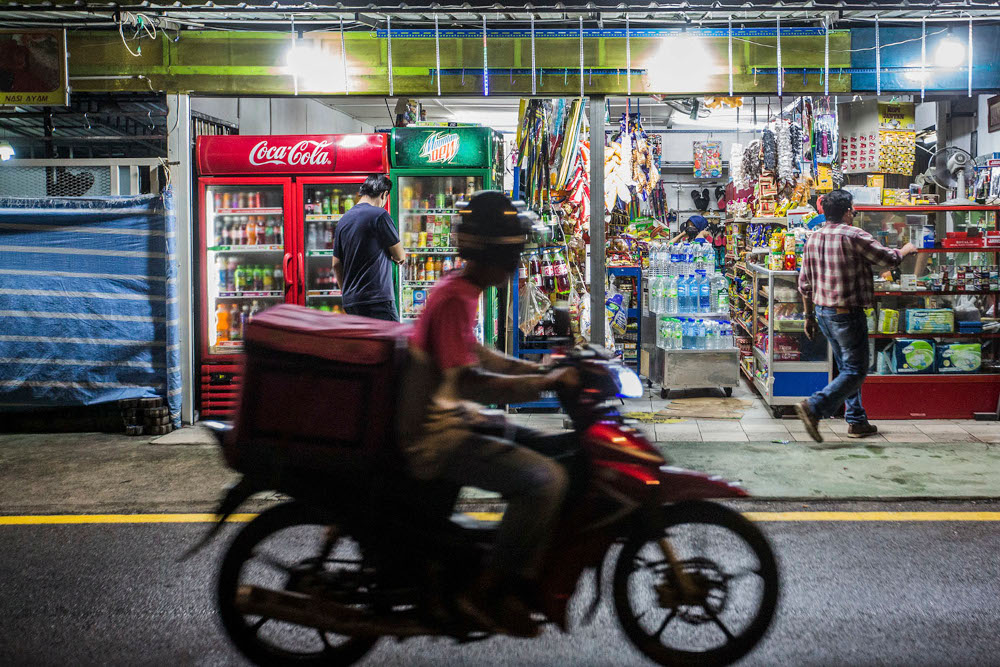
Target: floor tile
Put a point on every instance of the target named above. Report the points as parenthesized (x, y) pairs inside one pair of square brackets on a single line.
[(724, 437), (769, 436), (941, 429), (992, 438), (769, 427), (944, 438), (906, 437)]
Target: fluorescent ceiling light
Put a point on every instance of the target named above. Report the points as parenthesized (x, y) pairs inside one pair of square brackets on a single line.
[(6, 151), (316, 69)]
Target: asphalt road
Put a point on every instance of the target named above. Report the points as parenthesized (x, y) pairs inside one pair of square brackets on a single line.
[(855, 593)]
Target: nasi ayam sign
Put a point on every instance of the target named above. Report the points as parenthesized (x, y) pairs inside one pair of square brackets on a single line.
[(440, 147), (33, 67)]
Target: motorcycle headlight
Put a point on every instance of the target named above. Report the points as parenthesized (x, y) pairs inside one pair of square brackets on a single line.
[(628, 380)]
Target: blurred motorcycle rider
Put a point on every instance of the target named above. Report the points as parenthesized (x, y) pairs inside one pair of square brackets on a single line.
[(448, 438)]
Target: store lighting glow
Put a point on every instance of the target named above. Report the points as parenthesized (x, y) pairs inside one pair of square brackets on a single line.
[(682, 62), (315, 68), (6, 151), (950, 54)]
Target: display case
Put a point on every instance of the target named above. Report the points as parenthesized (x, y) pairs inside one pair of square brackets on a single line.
[(934, 332), (785, 367)]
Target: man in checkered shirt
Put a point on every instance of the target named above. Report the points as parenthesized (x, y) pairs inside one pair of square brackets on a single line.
[(836, 286)]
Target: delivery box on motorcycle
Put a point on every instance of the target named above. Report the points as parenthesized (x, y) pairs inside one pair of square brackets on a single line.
[(318, 392)]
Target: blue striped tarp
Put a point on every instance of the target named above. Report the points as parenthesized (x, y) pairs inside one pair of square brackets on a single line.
[(88, 301)]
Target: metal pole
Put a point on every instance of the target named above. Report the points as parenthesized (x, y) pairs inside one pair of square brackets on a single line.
[(179, 156), (597, 270)]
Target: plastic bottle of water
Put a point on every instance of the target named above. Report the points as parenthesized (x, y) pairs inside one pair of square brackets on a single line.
[(711, 335), (700, 335), (661, 325), (670, 294), (720, 294), (684, 294), (654, 294), (675, 260), (704, 293)]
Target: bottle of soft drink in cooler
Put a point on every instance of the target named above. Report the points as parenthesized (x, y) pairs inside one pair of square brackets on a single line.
[(221, 323), (562, 273), (220, 265), (548, 273), (235, 332)]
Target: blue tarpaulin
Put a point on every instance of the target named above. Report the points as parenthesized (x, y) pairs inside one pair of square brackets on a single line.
[(88, 301)]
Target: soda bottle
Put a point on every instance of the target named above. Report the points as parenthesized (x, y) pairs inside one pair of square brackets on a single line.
[(235, 333), (447, 265), (217, 239), (261, 230), (269, 232), (268, 280), (548, 273), (328, 236), (239, 281), (311, 237), (252, 231), (326, 205), (221, 323), (421, 270), (562, 273), (429, 269), (254, 308), (244, 319), (231, 275), (220, 265), (244, 232), (218, 201), (348, 204), (535, 268), (279, 278), (438, 266), (278, 234), (449, 198), (335, 203), (258, 279), (227, 229)]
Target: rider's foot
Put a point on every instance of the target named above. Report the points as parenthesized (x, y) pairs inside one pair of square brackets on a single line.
[(495, 611)]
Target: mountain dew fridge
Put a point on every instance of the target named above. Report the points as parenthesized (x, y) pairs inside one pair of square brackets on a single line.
[(433, 168)]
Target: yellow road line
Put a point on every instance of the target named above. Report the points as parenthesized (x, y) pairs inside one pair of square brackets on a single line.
[(872, 516), (887, 517), (60, 519)]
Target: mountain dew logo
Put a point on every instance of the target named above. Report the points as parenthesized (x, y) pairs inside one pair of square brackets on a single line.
[(440, 147)]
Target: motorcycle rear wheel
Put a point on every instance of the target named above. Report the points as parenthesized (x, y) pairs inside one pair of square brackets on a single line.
[(255, 640), (642, 572)]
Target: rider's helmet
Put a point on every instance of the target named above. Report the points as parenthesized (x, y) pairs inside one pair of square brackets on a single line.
[(492, 229)]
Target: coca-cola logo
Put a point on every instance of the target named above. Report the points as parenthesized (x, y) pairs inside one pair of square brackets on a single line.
[(307, 152)]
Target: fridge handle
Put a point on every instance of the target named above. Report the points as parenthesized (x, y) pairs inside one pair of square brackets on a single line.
[(288, 267), (302, 275)]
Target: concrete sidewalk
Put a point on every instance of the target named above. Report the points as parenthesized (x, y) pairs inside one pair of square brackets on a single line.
[(100, 473)]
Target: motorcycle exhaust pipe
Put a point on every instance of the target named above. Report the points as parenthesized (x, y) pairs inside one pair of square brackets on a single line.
[(301, 609)]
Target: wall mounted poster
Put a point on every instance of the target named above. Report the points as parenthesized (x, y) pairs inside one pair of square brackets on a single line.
[(33, 67), (707, 159)]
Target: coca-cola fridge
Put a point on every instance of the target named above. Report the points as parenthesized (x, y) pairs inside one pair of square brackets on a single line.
[(268, 206)]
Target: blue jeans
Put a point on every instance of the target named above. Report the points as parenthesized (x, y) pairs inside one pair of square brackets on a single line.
[(848, 336)]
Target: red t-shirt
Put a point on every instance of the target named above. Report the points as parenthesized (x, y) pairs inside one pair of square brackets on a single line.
[(446, 328)]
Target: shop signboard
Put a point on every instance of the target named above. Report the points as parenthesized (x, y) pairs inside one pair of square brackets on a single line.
[(293, 154), (33, 67), (442, 147)]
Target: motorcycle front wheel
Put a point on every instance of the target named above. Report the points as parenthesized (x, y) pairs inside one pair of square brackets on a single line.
[(731, 592), (289, 548)]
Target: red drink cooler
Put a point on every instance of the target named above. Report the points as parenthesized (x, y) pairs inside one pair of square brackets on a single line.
[(262, 201)]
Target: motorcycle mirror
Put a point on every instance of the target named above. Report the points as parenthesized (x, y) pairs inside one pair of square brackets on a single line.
[(563, 327)]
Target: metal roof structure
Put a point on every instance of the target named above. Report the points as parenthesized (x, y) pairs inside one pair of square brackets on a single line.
[(308, 16)]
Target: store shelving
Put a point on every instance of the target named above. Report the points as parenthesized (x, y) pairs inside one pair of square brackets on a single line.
[(247, 248), (250, 211), (269, 294), (323, 217), (936, 394)]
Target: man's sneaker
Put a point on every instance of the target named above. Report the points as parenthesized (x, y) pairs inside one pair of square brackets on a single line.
[(809, 419), (862, 430)]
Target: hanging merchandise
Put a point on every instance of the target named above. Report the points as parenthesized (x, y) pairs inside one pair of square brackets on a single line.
[(786, 158), (533, 152), (618, 171), (736, 166), (825, 137), (707, 159), (770, 147)]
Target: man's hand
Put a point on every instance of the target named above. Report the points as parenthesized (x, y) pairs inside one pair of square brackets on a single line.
[(563, 378), (811, 327), (908, 249)]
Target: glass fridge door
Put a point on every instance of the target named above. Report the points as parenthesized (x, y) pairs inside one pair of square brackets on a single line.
[(323, 205), (244, 235), (426, 213)]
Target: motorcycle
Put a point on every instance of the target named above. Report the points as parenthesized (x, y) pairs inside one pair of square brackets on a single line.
[(322, 578)]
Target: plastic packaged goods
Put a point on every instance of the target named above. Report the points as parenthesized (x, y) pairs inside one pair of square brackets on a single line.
[(676, 259), (959, 357), (704, 293), (670, 299), (913, 356)]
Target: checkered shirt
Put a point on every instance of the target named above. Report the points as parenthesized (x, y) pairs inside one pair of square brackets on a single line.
[(837, 266)]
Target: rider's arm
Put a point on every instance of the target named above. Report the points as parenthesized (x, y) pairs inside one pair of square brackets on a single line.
[(497, 362)]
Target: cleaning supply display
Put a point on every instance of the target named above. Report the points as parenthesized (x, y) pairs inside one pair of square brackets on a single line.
[(930, 320), (913, 356), (959, 357)]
